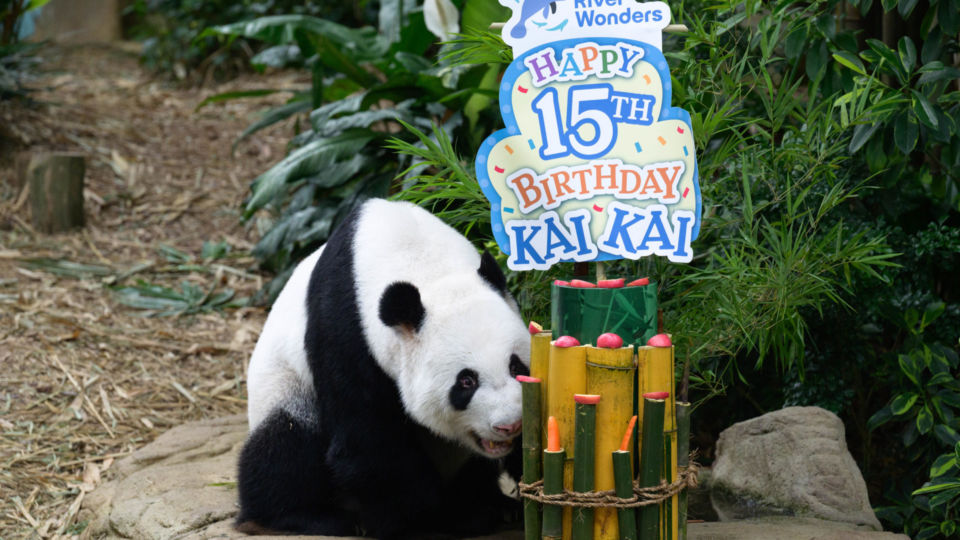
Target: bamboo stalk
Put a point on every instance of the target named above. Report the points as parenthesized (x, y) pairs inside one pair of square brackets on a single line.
[(666, 507), (584, 462), (655, 373), (610, 373), (567, 375), (623, 484), (683, 461), (651, 462), (539, 366), (531, 452), (553, 461)]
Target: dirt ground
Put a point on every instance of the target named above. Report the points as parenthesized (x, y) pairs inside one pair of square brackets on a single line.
[(85, 379)]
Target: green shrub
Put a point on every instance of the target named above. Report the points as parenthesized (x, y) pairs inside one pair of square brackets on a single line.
[(172, 44)]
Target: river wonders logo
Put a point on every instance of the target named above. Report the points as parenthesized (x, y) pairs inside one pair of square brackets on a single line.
[(594, 164)]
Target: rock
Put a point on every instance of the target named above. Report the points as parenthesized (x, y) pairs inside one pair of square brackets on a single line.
[(790, 462), (182, 485), (784, 528)]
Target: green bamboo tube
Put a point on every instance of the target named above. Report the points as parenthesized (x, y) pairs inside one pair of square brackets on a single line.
[(626, 517), (539, 366), (552, 485), (666, 507), (683, 461), (531, 452), (651, 462), (584, 448)]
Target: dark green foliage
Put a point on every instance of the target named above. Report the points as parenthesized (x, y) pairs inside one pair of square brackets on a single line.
[(16, 58), (171, 32), (372, 92)]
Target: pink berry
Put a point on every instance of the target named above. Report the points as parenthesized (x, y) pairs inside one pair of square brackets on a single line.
[(660, 340), (609, 341), (566, 341)]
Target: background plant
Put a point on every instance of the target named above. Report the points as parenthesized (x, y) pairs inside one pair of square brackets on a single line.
[(16, 57)]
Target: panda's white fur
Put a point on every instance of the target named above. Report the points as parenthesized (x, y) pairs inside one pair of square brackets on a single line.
[(467, 324)]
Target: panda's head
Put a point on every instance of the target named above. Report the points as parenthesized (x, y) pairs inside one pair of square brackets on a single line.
[(459, 343)]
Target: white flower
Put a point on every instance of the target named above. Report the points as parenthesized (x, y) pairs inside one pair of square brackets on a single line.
[(442, 18)]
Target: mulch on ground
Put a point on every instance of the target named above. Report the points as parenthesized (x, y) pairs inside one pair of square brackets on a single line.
[(84, 378)]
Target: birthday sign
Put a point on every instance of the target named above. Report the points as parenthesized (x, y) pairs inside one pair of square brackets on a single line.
[(594, 164)]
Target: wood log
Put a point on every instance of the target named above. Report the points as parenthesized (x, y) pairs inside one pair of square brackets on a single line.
[(56, 191)]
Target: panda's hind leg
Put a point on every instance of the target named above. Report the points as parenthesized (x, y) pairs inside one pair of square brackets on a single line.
[(283, 483)]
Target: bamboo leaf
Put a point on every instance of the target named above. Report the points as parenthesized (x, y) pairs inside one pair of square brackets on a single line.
[(849, 61)]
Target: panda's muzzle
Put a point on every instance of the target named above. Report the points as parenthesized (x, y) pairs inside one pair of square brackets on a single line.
[(496, 448), (493, 448)]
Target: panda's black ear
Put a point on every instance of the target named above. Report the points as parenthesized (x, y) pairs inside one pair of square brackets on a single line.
[(400, 307), (490, 271)]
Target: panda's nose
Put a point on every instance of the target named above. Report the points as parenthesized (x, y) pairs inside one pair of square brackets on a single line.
[(509, 430)]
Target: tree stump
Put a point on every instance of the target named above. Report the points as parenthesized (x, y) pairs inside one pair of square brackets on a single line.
[(56, 191)]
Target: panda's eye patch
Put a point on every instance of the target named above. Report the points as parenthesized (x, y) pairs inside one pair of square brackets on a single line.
[(463, 389), (517, 367), (467, 379)]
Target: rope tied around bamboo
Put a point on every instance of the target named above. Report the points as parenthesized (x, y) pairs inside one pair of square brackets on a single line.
[(642, 496)]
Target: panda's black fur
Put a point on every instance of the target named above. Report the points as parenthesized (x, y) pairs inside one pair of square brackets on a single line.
[(351, 460)]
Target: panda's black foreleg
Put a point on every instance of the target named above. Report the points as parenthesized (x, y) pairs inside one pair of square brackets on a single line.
[(283, 483), (475, 505)]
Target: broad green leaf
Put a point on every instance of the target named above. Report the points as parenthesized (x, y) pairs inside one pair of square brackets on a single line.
[(890, 58), (911, 366), (305, 161), (949, 17), (274, 115), (942, 465), (888, 4), (925, 111), (479, 14), (905, 133), (925, 420), (905, 7), (793, 46), (901, 404), (908, 53), (849, 61), (935, 71), (933, 488), (862, 134), (362, 44), (946, 435), (817, 60), (279, 56)]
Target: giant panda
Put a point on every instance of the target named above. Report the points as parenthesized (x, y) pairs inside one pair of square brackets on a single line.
[(382, 396)]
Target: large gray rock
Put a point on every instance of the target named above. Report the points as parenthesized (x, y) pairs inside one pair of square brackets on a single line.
[(790, 462)]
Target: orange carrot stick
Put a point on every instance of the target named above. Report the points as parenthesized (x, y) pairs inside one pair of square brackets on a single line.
[(625, 444), (553, 435)]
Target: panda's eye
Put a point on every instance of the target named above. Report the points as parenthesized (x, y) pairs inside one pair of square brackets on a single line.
[(517, 367), (467, 379)]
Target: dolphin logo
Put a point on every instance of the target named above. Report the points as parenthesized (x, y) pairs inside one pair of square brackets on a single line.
[(529, 9)]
